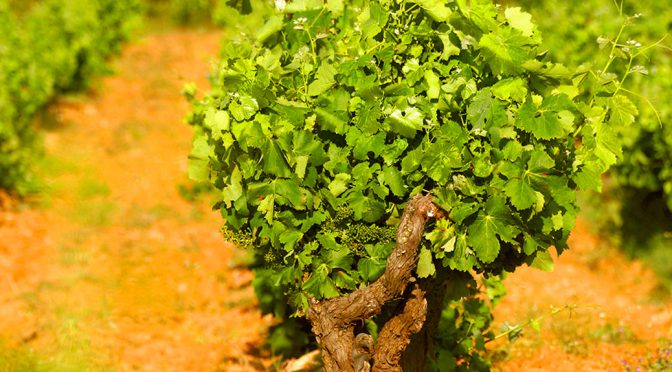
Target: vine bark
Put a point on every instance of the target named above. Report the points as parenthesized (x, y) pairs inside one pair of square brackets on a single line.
[(334, 320)]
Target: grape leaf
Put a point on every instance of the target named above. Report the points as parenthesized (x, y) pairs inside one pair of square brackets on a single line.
[(542, 260), (367, 117), (366, 208), (339, 184), (324, 79), (425, 266), (406, 122), (199, 164), (481, 12), (520, 20), (435, 8), (486, 111), (217, 121), (320, 285), (462, 259), (588, 178), (273, 25), (512, 88), (483, 238), (542, 124), (371, 268), (244, 109), (623, 111), (433, 83), (505, 50), (392, 177), (521, 193), (274, 162)]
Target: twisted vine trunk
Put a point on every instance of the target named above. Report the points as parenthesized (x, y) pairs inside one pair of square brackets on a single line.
[(414, 358), (334, 320)]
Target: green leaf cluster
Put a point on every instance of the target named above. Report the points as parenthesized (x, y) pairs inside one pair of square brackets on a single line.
[(634, 35), (465, 324), (358, 105), (55, 46)]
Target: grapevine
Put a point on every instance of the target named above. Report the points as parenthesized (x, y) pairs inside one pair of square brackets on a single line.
[(357, 107)]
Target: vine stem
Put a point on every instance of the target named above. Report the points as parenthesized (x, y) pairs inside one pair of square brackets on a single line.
[(625, 76), (613, 48), (648, 102), (310, 36), (312, 47), (619, 7), (632, 59), (554, 311)]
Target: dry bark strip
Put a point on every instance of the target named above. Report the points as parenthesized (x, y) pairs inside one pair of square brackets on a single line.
[(396, 333), (333, 320), (414, 358)]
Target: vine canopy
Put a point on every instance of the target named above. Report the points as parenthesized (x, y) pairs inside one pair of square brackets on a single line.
[(322, 124)]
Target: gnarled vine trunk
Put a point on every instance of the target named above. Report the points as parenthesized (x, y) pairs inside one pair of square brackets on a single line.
[(414, 358), (334, 320)]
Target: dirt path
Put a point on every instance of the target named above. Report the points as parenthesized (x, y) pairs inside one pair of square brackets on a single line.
[(618, 323), (115, 270)]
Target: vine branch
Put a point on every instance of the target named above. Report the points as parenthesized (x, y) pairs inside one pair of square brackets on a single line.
[(333, 320)]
